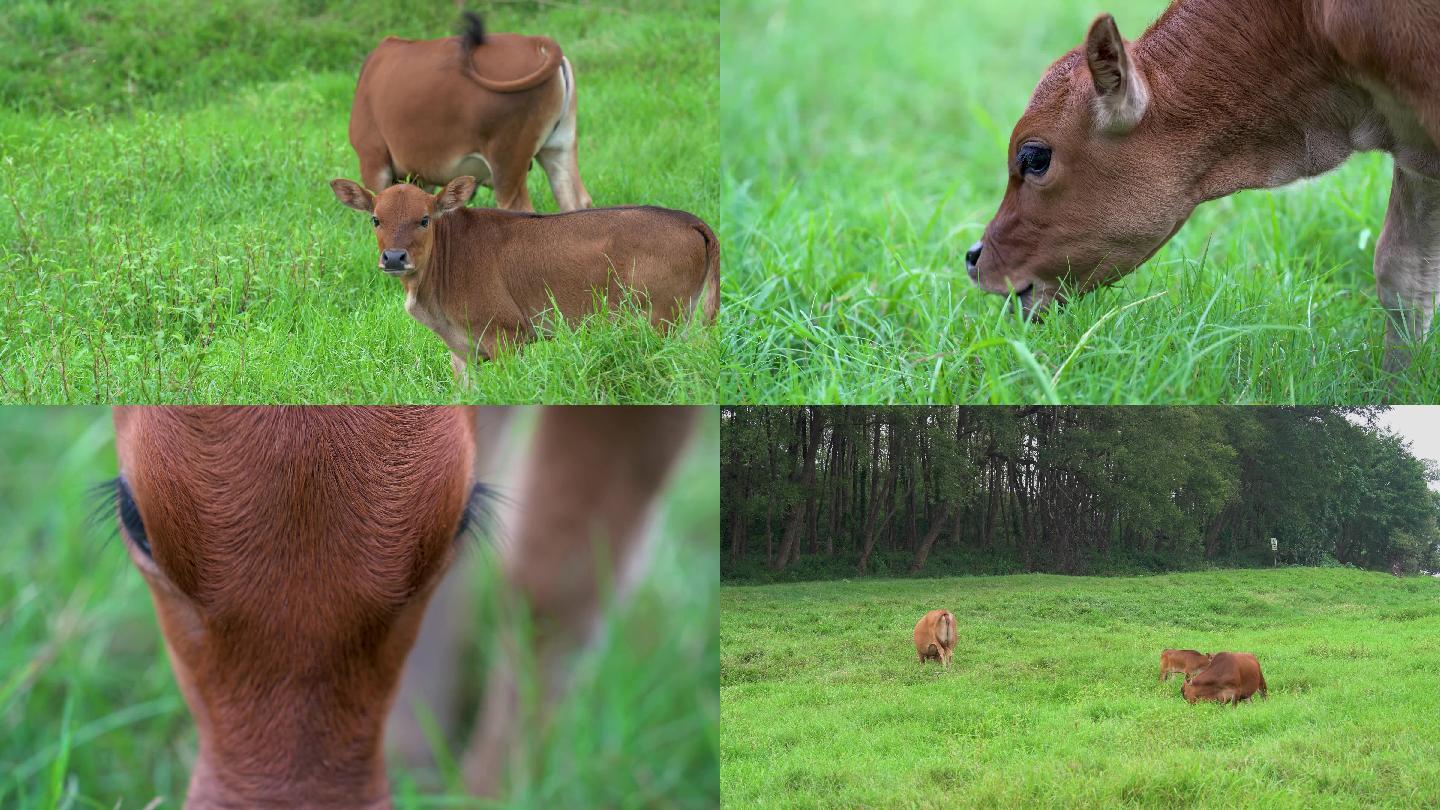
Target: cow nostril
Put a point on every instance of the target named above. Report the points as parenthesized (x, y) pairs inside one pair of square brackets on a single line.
[(972, 258), (393, 256), (973, 254)]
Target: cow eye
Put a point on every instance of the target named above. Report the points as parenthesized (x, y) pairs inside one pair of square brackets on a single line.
[(376, 221), (1033, 159), (425, 220), (130, 517)]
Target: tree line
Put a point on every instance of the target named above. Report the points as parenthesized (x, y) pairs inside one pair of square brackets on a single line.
[(817, 492)]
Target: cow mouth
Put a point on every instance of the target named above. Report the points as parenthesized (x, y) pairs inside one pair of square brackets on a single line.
[(396, 270)]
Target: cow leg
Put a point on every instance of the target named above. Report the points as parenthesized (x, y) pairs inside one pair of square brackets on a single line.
[(1407, 264), (430, 683), (583, 510), (457, 365), (510, 166), (560, 159), (375, 170)]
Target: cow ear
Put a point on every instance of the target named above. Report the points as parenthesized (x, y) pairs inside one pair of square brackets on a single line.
[(455, 194), (353, 195), (1120, 92)]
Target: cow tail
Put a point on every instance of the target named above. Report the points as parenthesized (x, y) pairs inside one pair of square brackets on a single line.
[(710, 293), (1264, 691), (947, 629), (472, 33)]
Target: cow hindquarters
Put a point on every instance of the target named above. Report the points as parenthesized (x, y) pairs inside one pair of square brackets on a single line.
[(1407, 264), (582, 517), (558, 154)]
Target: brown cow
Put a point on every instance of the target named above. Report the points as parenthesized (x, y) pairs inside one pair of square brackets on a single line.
[(291, 553), (1230, 678), (1121, 141), (475, 105), (1187, 662), (480, 277), (935, 637)]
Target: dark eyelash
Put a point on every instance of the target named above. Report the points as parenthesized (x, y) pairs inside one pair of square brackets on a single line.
[(113, 500), (480, 518)]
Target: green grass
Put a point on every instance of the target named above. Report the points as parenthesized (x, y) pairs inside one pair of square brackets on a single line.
[(167, 231), (864, 150), (1052, 698), (90, 715)]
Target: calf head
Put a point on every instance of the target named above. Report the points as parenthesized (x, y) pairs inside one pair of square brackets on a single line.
[(403, 216), (1093, 187), (290, 554)]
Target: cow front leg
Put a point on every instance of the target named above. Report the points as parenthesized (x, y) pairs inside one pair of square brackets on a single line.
[(583, 513), (1407, 264), (457, 365)]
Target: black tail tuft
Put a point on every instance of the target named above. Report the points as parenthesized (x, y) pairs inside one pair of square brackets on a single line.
[(473, 35)]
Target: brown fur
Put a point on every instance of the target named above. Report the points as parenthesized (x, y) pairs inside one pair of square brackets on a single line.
[(1230, 678), (429, 110), (480, 277), (1187, 662), (1219, 96), (935, 637), (294, 550)]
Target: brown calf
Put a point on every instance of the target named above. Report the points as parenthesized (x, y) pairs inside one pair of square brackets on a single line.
[(935, 637), (480, 277), (475, 105), (1187, 662), (1230, 678), (291, 552), (1121, 141)]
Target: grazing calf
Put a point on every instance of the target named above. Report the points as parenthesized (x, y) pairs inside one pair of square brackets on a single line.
[(1121, 141), (479, 278), (1230, 678), (1187, 662), (935, 637), (475, 105), (291, 554)]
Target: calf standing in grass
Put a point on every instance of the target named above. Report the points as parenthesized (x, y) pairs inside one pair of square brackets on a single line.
[(1121, 141), (479, 277), (1230, 678), (1187, 662), (935, 637), (474, 105)]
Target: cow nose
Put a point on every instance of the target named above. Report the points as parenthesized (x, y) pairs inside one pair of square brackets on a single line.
[(972, 256), (394, 258)]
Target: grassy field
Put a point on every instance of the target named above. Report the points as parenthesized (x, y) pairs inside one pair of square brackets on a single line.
[(1053, 700), (167, 231), (864, 150), (90, 716)]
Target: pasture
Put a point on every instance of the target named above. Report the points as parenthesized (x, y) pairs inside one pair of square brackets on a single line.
[(169, 235), (1053, 699), (90, 716), (864, 149)]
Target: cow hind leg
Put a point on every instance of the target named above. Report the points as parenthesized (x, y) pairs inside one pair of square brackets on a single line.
[(1407, 264), (559, 155), (583, 512), (510, 167), (376, 171)]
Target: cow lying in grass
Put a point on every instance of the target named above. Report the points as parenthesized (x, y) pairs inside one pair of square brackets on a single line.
[(1121, 141), (1187, 662), (935, 637), (1230, 678), (480, 277)]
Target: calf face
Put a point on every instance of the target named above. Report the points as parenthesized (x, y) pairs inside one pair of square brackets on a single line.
[(403, 216), (290, 554), (1094, 187), (1186, 662)]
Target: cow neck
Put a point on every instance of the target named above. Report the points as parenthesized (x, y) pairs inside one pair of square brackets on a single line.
[(1239, 91), (438, 280)]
